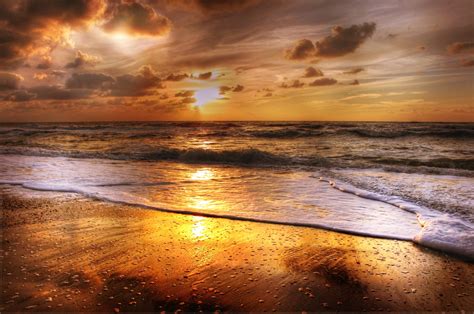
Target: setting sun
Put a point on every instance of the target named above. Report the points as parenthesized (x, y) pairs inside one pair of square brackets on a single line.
[(205, 96)]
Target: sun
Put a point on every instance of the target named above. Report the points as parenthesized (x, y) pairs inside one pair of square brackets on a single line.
[(207, 95)]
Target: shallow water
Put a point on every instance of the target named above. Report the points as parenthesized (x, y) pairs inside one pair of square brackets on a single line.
[(401, 181)]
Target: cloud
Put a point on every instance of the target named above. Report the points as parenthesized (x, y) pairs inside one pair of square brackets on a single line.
[(325, 81), (58, 92), (176, 77), (224, 89), (373, 95), (312, 72), (460, 47), (213, 6), (45, 63), (37, 26), (83, 59), (185, 93), (204, 76), (20, 95), (467, 63), (58, 73), (10, 81), (354, 71), (145, 82), (238, 88), (187, 100), (341, 42), (40, 76), (303, 49), (88, 80), (354, 82), (137, 19), (295, 84)]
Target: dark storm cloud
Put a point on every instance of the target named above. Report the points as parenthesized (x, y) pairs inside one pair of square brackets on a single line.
[(341, 42), (354, 71), (82, 59), (88, 80), (326, 81), (137, 19), (294, 84), (312, 72), (460, 47), (303, 49), (9, 81), (30, 26)]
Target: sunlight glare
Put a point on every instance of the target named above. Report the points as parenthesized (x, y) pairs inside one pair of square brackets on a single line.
[(207, 95)]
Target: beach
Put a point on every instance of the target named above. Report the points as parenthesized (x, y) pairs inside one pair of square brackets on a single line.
[(68, 253)]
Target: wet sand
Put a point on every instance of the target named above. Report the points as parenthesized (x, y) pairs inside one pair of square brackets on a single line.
[(74, 254)]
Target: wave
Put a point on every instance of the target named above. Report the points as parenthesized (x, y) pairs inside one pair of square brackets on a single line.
[(384, 133), (439, 232), (251, 156), (447, 163), (285, 133)]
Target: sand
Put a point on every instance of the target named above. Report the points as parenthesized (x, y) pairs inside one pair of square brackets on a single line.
[(73, 254)]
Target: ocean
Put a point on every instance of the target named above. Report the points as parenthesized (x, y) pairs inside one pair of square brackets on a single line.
[(405, 181)]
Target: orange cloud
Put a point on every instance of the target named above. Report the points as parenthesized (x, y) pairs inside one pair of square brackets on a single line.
[(312, 72), (342, 41), (326, 81), (9, 81), (137, 19), (83, 59), (37, 26)]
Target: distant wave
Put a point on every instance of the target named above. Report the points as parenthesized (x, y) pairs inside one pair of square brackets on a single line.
[(447, 163), (449, 133), (321, 130), (285, 133)]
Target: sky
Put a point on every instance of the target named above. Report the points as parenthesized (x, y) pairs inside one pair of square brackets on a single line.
[(129, 60)]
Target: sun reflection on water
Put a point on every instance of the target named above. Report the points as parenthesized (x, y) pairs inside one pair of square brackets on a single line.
[(202, 175)]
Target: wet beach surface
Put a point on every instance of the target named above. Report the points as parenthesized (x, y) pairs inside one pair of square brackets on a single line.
[(67, 253)]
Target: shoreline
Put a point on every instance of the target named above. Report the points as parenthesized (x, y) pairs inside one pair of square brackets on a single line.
[(76, 254)]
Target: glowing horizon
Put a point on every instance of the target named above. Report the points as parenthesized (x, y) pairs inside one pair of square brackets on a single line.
[(217, 61)]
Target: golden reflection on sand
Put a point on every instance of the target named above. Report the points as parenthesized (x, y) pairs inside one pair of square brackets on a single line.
[(199, 229), (136, 260)]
